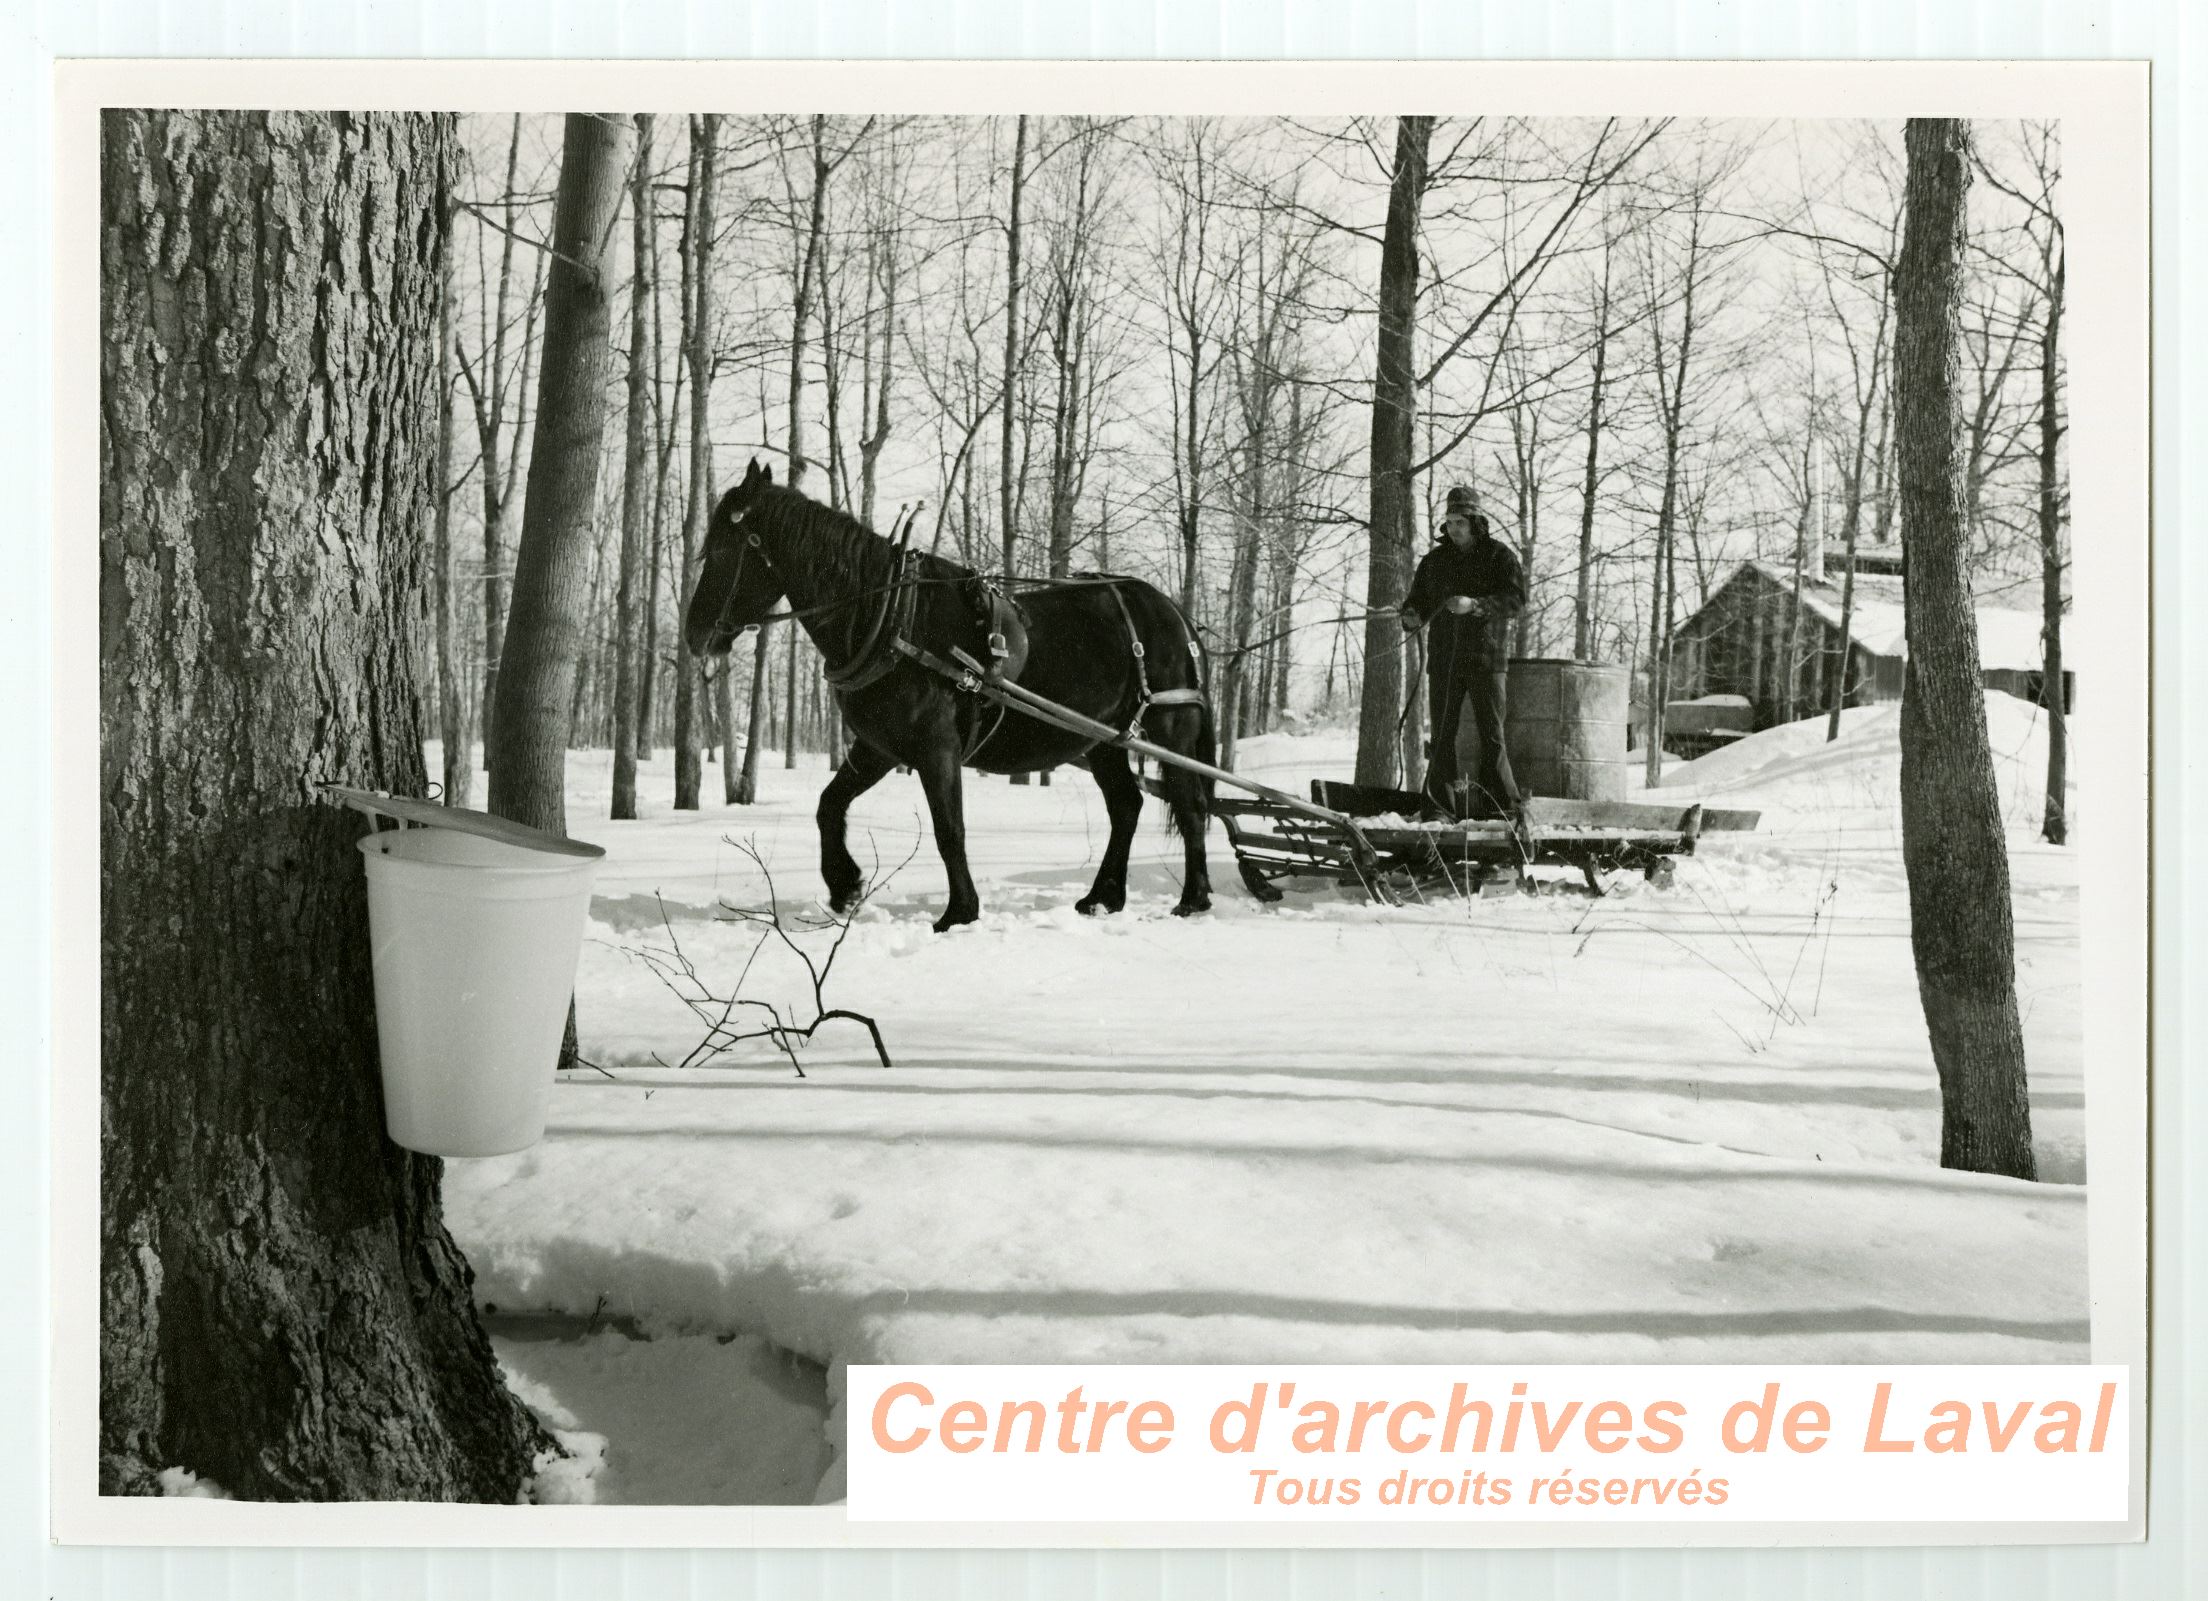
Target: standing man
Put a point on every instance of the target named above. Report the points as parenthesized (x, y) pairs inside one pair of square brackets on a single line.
[(1468, 586)]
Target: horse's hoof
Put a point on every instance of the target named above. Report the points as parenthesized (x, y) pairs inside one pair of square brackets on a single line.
[(1100, 905), (953, 919), (1191, 908)]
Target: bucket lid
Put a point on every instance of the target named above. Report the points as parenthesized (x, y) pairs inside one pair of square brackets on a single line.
[(432, 814)]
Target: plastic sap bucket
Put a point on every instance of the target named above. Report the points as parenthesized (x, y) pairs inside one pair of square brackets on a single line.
[(475, 944)]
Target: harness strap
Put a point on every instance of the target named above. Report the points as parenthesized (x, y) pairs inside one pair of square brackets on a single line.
[(870, 663), (963, 679), (1145, 696)]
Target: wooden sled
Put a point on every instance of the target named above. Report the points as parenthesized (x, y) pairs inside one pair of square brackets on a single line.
[(1412, 859)]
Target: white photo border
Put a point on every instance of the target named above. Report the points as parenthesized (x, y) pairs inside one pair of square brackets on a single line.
[(2103, 110)]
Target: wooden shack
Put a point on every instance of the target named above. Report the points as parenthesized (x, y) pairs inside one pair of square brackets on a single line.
[(1752, 640)]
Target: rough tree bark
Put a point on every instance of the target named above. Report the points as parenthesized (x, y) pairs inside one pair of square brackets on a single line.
[(545, 620), (1394, 399), (282, 1309), (1961, 919), (636, 466)]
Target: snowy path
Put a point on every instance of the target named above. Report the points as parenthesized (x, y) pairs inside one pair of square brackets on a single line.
[(1694, 1125)]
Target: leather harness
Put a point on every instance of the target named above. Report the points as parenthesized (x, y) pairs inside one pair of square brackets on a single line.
[(885, 642)]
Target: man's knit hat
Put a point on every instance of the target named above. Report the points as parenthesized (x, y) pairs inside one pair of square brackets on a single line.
[(1463, 501)]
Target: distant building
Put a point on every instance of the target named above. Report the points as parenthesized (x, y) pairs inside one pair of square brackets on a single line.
[(1738, 643)]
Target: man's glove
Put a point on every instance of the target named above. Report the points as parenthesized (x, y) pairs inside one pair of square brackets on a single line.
[(1410, 620), (1466, 606)]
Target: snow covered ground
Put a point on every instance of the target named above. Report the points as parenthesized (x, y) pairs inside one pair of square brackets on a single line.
[(1684, 1125)]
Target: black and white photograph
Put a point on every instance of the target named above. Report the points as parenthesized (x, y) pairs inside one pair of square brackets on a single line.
[(734, 743)]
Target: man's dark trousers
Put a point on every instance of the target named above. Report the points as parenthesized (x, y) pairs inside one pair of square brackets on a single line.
[(1449, 689)]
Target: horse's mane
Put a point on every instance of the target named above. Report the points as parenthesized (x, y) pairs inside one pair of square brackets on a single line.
[(834, 549)]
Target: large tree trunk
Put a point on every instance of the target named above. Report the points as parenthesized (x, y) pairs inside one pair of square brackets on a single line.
[(1961, 920), (282, 1309), (2055, 824), (1394, 401), (636, 466), (544, 623)]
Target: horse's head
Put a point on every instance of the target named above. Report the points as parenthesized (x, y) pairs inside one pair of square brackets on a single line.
[(736, 589)]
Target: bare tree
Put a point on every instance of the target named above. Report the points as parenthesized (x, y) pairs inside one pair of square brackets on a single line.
[(544, 630), (2042, 270), (1271, 272), (1185, 164), (501, 373), (1808, 540), (664, 408), (1857, 283), (1525, 470), (1583, 604), (697, 345), (636, 489), (2056, 822), (807, 247), (1394, 403), (1684, 257), (1071, 318), (455, 735), (885, 251), (1007, 525), (1961, 920)]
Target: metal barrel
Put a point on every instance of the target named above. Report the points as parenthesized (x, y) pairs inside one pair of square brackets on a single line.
[(1566, 723)]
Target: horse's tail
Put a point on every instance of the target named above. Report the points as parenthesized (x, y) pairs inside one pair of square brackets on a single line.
[(1188, 795)]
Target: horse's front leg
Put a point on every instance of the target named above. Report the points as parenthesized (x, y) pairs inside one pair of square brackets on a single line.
[(939, 781), (863, 767)]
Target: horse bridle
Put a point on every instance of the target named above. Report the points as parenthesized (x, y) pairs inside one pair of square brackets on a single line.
[(736, 581)]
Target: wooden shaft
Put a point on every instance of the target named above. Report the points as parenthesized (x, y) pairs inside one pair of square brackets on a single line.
[(1074, 722)]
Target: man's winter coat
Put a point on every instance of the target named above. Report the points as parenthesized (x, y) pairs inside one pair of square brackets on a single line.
[(1488, 572)]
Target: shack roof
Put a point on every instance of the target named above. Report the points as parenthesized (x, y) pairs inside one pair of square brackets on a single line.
[(2008, 622)]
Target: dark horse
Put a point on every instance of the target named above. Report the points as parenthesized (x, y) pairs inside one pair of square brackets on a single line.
[(1099, 647)]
